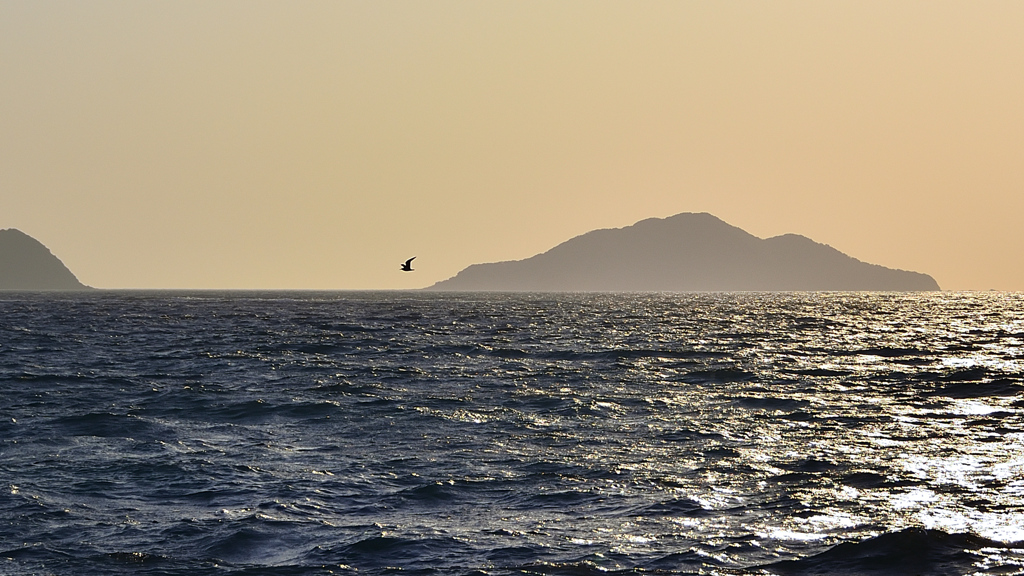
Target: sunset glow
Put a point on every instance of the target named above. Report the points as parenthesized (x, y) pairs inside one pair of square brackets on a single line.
[(240, 144)]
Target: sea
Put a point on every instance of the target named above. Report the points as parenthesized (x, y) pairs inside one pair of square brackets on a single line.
[(421, 433)]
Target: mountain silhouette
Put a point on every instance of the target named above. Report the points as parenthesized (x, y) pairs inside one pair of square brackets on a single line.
[(685, 252), (25, 264)]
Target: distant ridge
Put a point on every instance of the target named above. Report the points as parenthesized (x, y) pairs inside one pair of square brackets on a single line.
[(685, 252), (25, 264)]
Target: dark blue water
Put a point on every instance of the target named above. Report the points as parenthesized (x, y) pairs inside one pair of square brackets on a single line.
[(414, 433)]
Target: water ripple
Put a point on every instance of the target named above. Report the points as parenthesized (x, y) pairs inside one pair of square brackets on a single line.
[(317, 433)]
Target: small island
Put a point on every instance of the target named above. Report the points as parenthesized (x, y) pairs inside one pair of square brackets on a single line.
[(25, 264), (683, 253)]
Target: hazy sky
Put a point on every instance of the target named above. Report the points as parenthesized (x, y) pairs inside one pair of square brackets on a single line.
[(247, 144)]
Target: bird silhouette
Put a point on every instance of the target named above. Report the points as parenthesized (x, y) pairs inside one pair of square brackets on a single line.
[(407, 267)]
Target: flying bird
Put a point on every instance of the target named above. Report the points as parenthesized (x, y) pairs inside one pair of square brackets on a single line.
[(407, 267)]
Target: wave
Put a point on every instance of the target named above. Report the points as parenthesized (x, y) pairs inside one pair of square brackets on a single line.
[(612, 355), (909, 551), (110, 425), (885, 352), (718, 376), (975, 389), (405, 555)]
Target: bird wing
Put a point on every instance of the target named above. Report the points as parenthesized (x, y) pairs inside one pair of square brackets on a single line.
[(409, 261)]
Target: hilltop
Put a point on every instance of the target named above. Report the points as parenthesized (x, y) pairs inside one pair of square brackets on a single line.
[(685, 252)]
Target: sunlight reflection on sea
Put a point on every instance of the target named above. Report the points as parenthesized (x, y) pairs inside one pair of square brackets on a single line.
[(296, 433)]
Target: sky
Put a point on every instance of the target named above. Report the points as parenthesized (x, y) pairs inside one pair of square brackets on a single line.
[(317, 145)]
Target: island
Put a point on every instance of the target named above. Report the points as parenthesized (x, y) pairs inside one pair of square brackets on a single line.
[(687, 252), (25, 264)]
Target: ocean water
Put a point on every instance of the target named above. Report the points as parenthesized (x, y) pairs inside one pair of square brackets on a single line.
[(419, 433)]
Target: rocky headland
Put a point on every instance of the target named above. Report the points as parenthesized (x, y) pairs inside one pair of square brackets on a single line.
[(25, 264)]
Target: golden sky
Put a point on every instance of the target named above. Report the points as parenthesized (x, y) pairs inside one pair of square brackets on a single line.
[(250, 144)]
